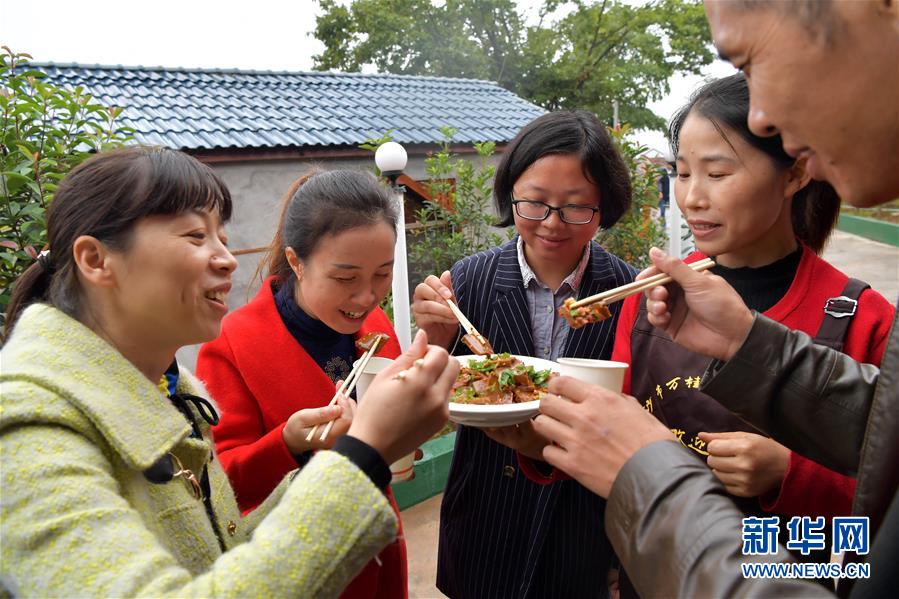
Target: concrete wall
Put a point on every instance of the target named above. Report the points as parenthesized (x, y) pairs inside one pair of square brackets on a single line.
[(257, 189)]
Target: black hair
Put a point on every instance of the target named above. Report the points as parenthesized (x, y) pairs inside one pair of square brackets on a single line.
[(325, 203), (574, 132), (725, 103), (104, 197)]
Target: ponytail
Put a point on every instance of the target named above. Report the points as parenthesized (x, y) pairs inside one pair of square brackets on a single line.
[(814, 214), (33, 285), (274, 262)]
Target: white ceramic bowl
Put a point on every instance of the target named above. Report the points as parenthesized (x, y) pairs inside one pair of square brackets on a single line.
[(498, 415)]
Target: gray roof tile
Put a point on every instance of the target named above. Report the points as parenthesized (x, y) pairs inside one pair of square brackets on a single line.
[(206, 109)]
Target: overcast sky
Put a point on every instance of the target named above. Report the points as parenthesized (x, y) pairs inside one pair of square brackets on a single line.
[(259, 35)]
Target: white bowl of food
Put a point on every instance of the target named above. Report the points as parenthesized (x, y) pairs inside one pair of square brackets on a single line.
[(499, 389)]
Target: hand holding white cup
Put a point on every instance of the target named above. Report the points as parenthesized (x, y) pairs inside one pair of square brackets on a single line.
[(402, 469)]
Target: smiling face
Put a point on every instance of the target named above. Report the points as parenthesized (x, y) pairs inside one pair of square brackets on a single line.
[(831, 93), (557, 180), (346, 276), (173, 278), (735, 199)]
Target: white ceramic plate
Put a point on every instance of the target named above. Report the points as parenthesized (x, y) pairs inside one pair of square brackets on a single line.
[(498, 415)]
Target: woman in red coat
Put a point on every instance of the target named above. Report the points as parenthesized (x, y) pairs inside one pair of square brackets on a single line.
[(274, 367)]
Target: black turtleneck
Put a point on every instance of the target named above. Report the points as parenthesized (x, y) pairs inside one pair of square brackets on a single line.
[(764, 286), (334, 352)]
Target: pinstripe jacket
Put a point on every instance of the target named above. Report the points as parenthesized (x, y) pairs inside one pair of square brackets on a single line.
[(501, 534)]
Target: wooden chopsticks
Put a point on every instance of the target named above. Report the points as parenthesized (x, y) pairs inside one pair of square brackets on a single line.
[(473, 339), (619, 293), (347, 387), (466, 324)]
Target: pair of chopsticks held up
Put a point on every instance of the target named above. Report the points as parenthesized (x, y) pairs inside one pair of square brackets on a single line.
[(349, 383), (619, 293), (578, 313)]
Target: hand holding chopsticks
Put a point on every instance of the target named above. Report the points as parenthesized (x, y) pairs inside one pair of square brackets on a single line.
[(701, 313), (347, 386)]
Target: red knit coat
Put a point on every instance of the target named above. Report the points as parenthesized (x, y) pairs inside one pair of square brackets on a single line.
[(259, 375), (808, 489)]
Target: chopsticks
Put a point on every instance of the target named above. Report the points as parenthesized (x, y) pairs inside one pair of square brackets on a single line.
[(475, 341), (466, 324), (349, 383), (619, 293)]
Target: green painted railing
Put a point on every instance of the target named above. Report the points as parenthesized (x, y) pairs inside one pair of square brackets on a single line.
[(430, 472), (877, 230)]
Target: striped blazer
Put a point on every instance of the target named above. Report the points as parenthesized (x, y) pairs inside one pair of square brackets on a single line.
[(501, 534)]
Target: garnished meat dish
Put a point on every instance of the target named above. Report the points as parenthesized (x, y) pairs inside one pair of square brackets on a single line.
[(499, 379), (366, 341), (478, 344), (578, 317)]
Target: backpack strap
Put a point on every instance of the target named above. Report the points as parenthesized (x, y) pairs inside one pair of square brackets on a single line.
[(838, 313)]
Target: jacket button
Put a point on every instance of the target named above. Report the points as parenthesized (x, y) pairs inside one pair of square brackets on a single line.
[(232, 527), (509, 471)]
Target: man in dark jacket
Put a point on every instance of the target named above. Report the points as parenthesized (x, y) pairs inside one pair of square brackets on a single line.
[(825, 76)]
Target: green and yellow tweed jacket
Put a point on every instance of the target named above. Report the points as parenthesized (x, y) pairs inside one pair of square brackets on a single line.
[(78, 426)]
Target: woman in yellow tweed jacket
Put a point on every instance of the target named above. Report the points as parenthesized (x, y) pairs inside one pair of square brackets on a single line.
[(108, 488)]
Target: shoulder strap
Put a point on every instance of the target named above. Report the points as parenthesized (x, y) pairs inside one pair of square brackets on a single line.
[(838, 313)]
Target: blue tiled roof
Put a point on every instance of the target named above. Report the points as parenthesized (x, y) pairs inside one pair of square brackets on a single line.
[(207, 109)]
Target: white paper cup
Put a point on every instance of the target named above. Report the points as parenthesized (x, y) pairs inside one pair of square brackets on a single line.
[(402, 469), (374, 366), (605, 373)]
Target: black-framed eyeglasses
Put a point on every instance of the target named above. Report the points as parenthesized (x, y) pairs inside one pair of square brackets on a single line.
[(571, 214)]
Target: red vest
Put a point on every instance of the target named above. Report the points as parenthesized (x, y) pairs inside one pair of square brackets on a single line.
[(664, 378)]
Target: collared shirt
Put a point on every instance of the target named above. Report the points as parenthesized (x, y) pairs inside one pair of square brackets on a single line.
[(549, 330)]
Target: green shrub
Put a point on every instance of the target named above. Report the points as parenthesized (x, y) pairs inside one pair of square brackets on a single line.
[(636, 232), (460, 222), (47, 130)]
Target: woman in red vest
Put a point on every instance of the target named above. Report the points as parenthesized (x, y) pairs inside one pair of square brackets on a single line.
[(755, 210), (273, 368)]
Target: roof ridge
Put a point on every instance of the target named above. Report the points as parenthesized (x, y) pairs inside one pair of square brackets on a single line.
[(197, 108), (236, 71)]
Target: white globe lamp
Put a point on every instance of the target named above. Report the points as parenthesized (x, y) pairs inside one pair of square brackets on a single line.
[(391, 159)]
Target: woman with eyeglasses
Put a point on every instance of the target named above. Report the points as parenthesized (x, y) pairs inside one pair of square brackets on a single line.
[(511, 526)]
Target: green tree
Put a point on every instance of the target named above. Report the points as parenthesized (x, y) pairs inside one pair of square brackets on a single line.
[(46, 131), (636, 232), (578, 54)]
